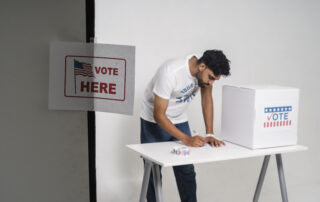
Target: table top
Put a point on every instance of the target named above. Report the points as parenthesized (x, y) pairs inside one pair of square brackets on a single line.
[(161, 154)]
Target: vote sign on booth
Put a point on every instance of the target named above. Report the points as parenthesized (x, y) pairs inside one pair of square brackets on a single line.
[(86, 76)]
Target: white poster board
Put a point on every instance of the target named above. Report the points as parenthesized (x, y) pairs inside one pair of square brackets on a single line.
[(92, 77)]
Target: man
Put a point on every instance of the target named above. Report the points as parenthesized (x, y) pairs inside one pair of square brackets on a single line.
[(164, 110)]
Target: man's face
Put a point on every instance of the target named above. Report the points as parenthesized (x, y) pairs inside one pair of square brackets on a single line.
[(206, 77)]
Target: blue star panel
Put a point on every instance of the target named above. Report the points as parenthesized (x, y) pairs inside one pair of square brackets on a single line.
[(278, 109)]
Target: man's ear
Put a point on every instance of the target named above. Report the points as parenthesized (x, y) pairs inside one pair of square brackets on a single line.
[(202, 67)]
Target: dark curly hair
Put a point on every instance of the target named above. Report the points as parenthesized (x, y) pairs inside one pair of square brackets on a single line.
[(216, 61)]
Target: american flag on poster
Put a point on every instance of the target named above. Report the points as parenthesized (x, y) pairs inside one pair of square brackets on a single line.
[(82, 68)]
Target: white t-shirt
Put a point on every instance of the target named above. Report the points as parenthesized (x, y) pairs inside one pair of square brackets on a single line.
[(174, 82)]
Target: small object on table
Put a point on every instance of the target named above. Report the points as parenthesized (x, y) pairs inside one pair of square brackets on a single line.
[(181, 151)]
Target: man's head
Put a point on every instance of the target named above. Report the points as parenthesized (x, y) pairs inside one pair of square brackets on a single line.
[(211, 66)]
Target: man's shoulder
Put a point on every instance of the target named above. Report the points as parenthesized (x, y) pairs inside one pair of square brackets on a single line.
[(173, 65)]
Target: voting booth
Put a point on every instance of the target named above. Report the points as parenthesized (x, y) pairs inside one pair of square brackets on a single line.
[(260, 116)]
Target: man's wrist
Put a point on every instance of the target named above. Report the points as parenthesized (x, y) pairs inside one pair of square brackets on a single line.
[(212, 135), (185, 139)]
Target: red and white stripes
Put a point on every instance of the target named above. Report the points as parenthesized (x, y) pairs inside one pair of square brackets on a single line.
[(274, 124)]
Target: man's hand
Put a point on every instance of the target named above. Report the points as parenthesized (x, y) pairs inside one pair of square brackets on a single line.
[(214, 142), (195, 141)]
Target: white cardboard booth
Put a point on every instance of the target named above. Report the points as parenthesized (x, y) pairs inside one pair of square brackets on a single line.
[(260, 116)]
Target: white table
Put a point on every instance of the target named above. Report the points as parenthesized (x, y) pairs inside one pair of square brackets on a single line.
[(159, 154)]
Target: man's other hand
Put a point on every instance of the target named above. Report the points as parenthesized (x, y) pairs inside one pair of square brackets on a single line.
[(214, 142), (195, 141)]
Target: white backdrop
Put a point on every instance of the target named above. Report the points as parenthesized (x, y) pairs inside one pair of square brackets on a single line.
[(274, 42)]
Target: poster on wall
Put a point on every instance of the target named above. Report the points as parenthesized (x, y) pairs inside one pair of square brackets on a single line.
[(92, 77)]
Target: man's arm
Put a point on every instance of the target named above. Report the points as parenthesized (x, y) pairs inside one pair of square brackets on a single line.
[(159, 113), (208, 111), (207, 108)]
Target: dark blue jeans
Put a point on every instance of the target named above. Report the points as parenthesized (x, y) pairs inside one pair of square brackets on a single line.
[(185, 175)]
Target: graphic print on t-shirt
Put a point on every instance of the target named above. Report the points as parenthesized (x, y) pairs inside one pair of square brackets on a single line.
[(188, 93)]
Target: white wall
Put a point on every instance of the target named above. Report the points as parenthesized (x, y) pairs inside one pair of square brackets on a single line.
[(43, 154), (275, 42)]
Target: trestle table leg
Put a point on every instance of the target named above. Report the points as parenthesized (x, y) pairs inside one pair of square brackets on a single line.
[(157, 182), (146, 176), (281, 178), (261, 178)]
